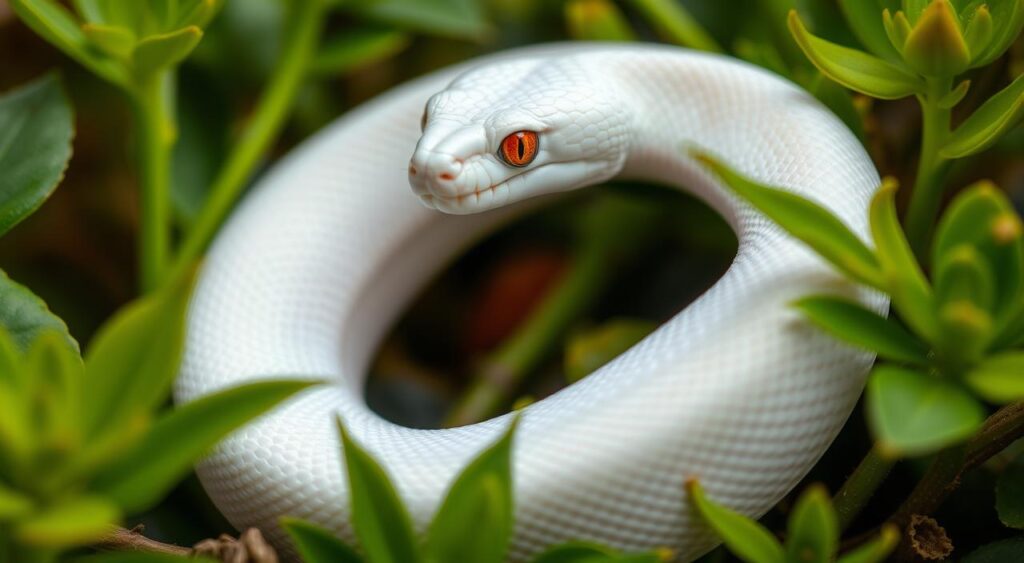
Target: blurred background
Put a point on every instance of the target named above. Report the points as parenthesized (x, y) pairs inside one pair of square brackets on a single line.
[(665, 248)]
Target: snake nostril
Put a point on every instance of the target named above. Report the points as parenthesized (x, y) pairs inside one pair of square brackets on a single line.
[(412, 170), (446, 176)]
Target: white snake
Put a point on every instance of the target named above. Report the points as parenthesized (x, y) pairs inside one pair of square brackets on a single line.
[(736, 390)]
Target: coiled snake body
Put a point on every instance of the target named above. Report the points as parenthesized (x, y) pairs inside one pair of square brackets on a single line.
[(736, 389)]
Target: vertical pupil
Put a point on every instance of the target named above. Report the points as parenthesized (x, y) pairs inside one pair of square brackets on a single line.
[(520, 147)]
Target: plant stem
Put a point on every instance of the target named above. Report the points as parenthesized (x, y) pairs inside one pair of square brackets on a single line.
[(306, 25), (855, 493), (931, 167), (504, 370), (156, 132), (677, 24), (943, 476)]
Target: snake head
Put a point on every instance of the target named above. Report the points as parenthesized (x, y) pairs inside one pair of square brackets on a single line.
[(510, 131)]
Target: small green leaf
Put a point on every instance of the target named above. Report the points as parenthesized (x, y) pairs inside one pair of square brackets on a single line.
[(1010, 492), (160, 51), (865, 20), (481, 494), (747, 539), (200, 15), (588, 351), (806, 220), (906, 284), (357, 48), (897, 28), (576, 552), (13, 504), (144, 474), (25, 316), (913, 414), (963, 274), (317, 545), (35, 146), (1008, 18), (876, 550), (999, 378), (955, 96), (380, 519), (51, 21), (978, 33), (134, 358), (989, 122), (114, 41), (73, 522), (855, 69), (851, 322), (813, 528), (597, 20)]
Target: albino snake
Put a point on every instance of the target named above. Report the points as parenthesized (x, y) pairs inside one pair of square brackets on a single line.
[(317, 263)]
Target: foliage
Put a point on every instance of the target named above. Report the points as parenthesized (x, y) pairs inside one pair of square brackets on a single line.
[(481, 494), (812, 534), (957, 334)]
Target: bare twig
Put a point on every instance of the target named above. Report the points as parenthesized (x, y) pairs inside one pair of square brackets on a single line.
[(250, 547)]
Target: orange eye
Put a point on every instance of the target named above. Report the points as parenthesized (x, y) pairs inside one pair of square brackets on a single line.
[(519, 148)]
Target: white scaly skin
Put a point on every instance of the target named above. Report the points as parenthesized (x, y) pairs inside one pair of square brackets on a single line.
[(736, 389)]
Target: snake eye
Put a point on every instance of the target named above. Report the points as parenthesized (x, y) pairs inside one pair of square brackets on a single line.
[(519, 148)]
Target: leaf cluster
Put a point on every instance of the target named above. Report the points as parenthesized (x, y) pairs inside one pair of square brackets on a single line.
[(957, 334)]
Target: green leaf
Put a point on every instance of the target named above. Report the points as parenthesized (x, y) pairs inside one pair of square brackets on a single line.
[(851, 322), (200, 14), (813, 528), (133, 359), (144, 474), (913, 414), (13, 504), (865, 19), (964, 275), (855, 69), (114, 41), (955, 96), (317, 545), (54, 23), (586, 352), (809, 222), (982, 217), (1008, 17), (979, 31), (25, 316), (576, 552), (998, 552), (988, 123), (452, 18), (747, 539), (380, 519), (597, 20), (875, 550), (73, 522), (999, 378), (357, 48), (675, 24), (160, 51), (35, 146), (906, 284), (1010, 492), (481, 494)]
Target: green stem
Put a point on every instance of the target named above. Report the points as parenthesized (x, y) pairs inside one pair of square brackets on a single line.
[(156, 132), (677, 24), (858, 489), (931, 168), (268, 119), (505, 369)]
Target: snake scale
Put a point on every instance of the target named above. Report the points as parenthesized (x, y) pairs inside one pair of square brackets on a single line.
[(736, 390)]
